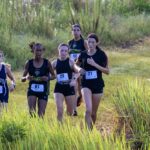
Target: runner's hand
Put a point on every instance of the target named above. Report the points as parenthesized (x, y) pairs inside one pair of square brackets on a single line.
[(11, 88), (91, 62), (73, 83), (82, 71), (23, 79)]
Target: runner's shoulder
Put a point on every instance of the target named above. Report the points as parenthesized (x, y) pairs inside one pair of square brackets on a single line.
[(102, 52), (83, 53), (6, 66), (54, 63), (70, 41)]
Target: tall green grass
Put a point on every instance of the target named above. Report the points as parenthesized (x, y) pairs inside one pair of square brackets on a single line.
[(46, 17), (119, 30), (132, 103), (19, 131), (128, 7), (106, 19), (49, 22)]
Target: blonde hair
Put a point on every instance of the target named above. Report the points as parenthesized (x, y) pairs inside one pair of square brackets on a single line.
[(63, 44)]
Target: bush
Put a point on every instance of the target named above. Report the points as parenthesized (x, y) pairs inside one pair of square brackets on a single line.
[(12, 131), (132, 103), (48, 22)]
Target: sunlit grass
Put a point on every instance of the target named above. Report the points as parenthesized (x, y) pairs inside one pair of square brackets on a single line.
[(72, 134), (49, 134), (132, 103), (49, 23), (128, 79)]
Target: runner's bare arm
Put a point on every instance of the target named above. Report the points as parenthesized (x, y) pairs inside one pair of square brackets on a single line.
[(54, 63), (25, 72), (11, 77), (76, 74), (9, 74), (51, 69), (77, 68)]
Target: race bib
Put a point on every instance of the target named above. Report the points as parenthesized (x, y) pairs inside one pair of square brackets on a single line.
[(1, 89), (90, 75), (37, 87), (62, 77), (74, 56)]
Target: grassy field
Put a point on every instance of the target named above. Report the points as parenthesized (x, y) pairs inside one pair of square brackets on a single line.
[(49, 22), (129, 73), (123, 120)]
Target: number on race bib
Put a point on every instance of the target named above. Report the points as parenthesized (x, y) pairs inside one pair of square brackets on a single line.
[(74, 56), (62, 77), (1, 89), (91, 75), (37, 87)]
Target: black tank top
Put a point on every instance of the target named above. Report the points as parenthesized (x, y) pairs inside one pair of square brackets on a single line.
[(77, 46), (100, 58), (39, 72), (62, 69), (3, 81)]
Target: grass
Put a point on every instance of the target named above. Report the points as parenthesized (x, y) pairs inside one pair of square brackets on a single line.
[(134, 57), (132, 103), (48, 134), (120, 23), (50, 24), (127, 82), (133, 61)]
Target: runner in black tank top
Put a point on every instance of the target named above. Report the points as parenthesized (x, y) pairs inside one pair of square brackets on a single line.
[(64, 87), (77, 45), (94, 62), (4, 90), (37, 71), (37, 87), (93, 76), (64, 75)]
